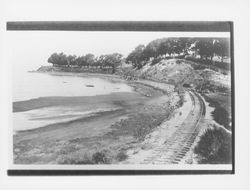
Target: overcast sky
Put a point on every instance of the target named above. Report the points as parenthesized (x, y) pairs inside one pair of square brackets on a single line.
[(30, 49)]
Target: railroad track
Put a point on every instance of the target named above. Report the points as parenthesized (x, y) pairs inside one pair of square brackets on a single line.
[(176, 147)]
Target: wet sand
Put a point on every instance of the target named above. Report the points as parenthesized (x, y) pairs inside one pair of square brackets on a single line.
[(116, 99)]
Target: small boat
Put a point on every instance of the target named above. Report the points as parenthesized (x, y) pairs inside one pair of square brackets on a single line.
[(89, 85)]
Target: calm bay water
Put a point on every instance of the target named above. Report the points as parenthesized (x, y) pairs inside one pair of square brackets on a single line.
[(34, 85)]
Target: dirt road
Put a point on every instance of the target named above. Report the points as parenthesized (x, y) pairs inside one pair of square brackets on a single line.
[(172, 140)]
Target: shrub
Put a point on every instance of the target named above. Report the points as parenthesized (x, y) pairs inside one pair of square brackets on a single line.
[(121, 156), (214, 147), (221, 116), (100, 158)]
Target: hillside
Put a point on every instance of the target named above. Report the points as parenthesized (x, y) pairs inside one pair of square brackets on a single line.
[(170, 71), (181, 72)]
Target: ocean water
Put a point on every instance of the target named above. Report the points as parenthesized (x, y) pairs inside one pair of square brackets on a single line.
[(34, 85)]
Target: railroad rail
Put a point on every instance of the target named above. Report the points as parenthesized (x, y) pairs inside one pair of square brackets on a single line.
[(176, 147)]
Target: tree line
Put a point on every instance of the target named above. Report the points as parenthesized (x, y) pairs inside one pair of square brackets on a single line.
[(206, 48), (108, 61)]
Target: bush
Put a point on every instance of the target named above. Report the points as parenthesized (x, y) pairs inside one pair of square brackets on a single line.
[(100, 158), (121, 156), (214, 147), (221, 116)]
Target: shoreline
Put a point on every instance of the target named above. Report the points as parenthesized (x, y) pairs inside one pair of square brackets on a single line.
[(147, 106), (81, 74), (142, 87)]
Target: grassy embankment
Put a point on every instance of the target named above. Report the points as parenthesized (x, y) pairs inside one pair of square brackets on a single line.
[(215, 145)]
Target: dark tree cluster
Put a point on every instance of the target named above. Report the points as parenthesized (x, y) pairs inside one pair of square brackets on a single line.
[(206, 48), (88, 61)]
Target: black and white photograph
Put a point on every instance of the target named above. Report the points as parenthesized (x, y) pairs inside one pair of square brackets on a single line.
[(121, 99), (134, 94)]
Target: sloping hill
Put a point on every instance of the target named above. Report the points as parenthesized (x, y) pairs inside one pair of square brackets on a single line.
[(182, 72), (172, 71), (216, 77)]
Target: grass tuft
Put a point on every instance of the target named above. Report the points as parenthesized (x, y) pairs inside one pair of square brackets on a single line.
[(99, 157)]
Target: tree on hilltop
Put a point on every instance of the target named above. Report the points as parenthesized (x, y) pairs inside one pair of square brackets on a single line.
[(222, 47), (205, 48), (136, 57)]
